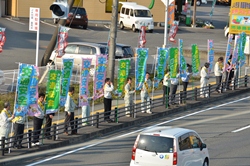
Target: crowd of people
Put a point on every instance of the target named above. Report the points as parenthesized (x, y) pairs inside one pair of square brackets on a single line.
[(170, 86)]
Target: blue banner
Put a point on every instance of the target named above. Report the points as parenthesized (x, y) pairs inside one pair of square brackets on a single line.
[(228, 51), (210, 54), (182, 60), (141, 66), (162, 56), (66, 76)]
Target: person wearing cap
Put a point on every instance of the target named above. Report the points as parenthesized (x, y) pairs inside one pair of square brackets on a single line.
[(218, 70), (204, 80), (5, 122)]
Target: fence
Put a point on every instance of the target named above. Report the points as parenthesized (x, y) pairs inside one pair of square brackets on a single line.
[(98, 118)]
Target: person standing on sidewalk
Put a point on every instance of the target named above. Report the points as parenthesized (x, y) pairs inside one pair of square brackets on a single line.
[(129, 97), (218, 71), (108, 89), (69, 112), (204, 80), (5, 122), (166, 87), (38, 120), (185, 80), (86, 112), (173, 88), (145, 99), (18, 126), (48, 124)]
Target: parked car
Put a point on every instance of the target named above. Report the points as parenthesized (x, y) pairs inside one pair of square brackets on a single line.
[(198, 2), (162, 145), (122, 50), (2, 79), (77, 51), (77, 17)]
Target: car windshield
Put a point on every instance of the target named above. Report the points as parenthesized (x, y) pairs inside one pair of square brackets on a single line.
[(142, 13), (71, 49), (128, 51), (80, 11), (104, 50), (155, 144)]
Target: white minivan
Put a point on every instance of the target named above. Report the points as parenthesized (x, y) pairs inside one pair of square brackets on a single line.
[(134, 16), (169, 146)]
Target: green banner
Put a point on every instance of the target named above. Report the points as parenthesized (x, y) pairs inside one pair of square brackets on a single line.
[(53, 91), (123, 71), (173, 62), (195, 59)]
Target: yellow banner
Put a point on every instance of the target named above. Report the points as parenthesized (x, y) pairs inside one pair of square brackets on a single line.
[(239, 17)]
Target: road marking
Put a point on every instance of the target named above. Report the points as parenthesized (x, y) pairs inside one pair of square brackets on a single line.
[(48, 24), (15, 21), (124, 135), (243, 128)]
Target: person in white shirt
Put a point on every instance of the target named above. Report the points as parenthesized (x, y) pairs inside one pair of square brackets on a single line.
[(108, 89), (5, 122), (204, 80), (173, 88), (145, 99), (70, 107), (86, 112), (218, 71), (128, 98)]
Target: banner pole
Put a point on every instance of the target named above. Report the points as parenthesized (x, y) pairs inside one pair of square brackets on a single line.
[(155, 59)]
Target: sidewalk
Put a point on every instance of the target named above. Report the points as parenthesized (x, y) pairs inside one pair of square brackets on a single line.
[(91, 132)]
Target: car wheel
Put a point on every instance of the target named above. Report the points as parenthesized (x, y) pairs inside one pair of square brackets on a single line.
[(205, 163), (133, 28), (121, 25), (198, 3)]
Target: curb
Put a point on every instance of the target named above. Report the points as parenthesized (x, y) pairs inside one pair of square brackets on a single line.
[(106, 129)]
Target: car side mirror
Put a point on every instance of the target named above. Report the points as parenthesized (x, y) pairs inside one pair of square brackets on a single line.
[(203, 146)]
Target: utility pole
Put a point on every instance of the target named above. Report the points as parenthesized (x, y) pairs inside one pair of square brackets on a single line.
[(112, 41), (53, 39), (194, 14)]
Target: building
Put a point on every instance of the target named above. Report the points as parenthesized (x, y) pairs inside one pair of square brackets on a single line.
[(96, 9)]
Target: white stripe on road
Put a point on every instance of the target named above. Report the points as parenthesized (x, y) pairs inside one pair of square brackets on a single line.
[(15, 21), (48, 24), (109, 139), (243, 128)]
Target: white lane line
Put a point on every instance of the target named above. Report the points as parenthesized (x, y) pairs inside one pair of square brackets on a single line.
[(48, 24), (243, 128), (15, 21), (109, 139)]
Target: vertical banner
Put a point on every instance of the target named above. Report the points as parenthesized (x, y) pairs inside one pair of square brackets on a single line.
[(141, 66), (212, 10), (162, 56), (182, 61), (62, 39), (123, 71), (242, 56), (100, 75), (173, 31), (33, 93), (23, 84), (68, 65), (247, 46), (2, 38), (53, 91), (235, 51), (210, 54), (142, 37), (228, 51), (195, 59), (173, 62), (171, 13), (84, 82)]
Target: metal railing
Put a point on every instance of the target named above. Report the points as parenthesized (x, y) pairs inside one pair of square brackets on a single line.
[(98, 118)]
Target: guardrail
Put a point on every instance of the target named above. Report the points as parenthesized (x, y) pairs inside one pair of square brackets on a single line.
[(96, 119)]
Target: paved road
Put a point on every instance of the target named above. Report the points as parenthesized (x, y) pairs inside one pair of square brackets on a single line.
[(20, 45), (224, 126)]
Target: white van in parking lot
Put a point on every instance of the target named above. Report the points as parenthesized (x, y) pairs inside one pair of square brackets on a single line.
[(167, 146), (134, 16)]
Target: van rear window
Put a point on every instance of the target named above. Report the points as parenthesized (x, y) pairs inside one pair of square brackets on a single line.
[(155, 144)]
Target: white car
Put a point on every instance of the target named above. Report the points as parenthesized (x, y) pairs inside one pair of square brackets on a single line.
[(2, 79), (169, 146)]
